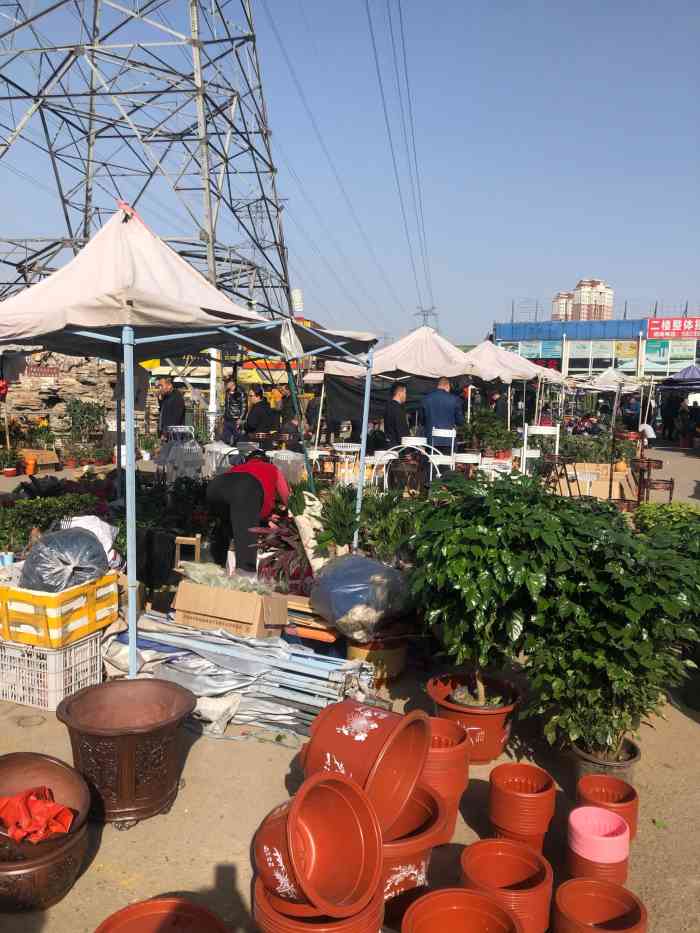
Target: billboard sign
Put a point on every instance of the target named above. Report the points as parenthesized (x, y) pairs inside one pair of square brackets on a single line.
[(669, 327)]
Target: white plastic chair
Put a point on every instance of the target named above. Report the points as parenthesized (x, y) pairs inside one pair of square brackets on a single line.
[(537, 430), (440, 459), (380, 459)]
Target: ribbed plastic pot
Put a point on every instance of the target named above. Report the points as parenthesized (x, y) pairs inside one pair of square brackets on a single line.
[(384, 752), (487, 727), (610, 793), (598, 835), (517, 877), (447, 767), (405, 860), (535, 841), (579, 867), (582, 905), (40, 882), (585, 763), (125, 736), (457, 910), (321, 851), (163, 915), (521, 801), (270, 920)]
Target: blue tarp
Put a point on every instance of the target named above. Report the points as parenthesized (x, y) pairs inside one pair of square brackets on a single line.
[(574, 330)]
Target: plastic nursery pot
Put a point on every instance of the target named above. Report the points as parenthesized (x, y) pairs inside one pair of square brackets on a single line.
[(517, 877), (579, 867), (270, 920), (162, 915), (321, 851), (456, 910), (40, 882), (9, 471), (598, 835), (405, 860), (384, 752), (487, 727), (610, 793), (447, 767), (582, 905), (585, 763), (521, 802), (125, 737)]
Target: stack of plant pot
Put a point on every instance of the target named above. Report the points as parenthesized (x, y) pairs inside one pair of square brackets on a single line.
[(521, 803), (585, 904), (598, 845), (457, 910), (610, 793), (446, 768)]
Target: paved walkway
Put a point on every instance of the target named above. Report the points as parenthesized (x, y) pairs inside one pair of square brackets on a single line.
[(684, 467)]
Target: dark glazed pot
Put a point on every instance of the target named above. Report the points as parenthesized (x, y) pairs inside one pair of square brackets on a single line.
[(163, 915), (601, 790), (585, 763), (270, 920), (583, 905), (487, 727), (40, 882), (125, 737), (456, 910), (447, 767), (405, 860)]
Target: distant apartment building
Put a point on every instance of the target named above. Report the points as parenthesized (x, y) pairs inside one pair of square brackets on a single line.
[(591, 300)]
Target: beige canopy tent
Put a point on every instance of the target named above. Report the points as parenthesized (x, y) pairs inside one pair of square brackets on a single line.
[(488, 361)]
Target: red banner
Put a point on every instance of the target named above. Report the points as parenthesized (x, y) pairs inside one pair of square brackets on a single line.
[(670, 327)]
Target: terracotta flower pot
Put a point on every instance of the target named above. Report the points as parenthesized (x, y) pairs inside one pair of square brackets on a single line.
[(71, 463), (447, 767), (521, 802), (405, 860), (383, 752), (487, 727), (298, 846), (9, 471), (161, 914), (40, 882), (579, 867), (582, 905), (456, 910), (610, 793), (270, 920), (517, 877), (585, 763)]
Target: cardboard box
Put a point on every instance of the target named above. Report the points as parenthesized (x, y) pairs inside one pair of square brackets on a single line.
[(212, 607), (122, 584)]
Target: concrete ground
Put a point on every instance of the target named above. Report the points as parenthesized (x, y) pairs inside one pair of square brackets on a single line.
[(201, 848), (684, 467)]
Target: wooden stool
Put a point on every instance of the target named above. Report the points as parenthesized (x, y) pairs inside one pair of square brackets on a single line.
[(195, 542), (665, 485)]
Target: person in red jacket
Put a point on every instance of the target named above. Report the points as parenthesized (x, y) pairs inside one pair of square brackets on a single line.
[(246, 495)]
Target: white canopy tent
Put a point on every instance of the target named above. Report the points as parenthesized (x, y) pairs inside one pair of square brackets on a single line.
[(488, 361), (127, 296), (610, 380)]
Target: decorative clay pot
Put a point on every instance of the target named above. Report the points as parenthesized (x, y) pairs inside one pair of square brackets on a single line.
[(519, 878), (270, 920), (40, 882), (487, 727), (456, 910), (521, 803), (405, 860), (583, 905), (610, 793), (382, 751), (447, 767), (320, 853), (160, 915)]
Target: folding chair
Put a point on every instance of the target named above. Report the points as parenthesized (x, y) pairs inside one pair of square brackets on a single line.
[(440, 459)]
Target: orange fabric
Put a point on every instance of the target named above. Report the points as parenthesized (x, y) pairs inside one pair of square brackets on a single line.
[(33, 815), (270, 478)]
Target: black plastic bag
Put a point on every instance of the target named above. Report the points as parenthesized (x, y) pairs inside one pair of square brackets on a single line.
[(61, 559)]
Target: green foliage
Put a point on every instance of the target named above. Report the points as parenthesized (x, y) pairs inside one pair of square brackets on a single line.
[(85, 418), (488, 430), (338, 518), (148, 442), (668, 516), (584, 449), (19, 517), (8, 458), (386, 525), (296, 503)]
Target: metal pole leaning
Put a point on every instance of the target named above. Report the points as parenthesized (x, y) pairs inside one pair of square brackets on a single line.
[(129, 418), (363, 445)]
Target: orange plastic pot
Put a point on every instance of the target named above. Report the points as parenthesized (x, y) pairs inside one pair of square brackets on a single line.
[(405, 860), (270, 920), (579, 867), (447, 767), (535, 840), (30, 466), (383, 752), (582, 905), (162, 915), (610, 793), (521, 801), (487, 727), (322, 849), (456, 910), (517, 877)]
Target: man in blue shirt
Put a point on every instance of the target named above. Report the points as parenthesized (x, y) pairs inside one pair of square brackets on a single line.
[(441, 409)]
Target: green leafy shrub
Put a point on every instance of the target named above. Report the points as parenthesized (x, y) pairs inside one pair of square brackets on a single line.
[(584, 449), (338, 519), (17, 518), (386, 525), (668, 516)]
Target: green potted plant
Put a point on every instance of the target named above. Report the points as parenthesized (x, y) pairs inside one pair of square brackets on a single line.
[(8, 461), (102, 456), (147, 445), (71, 453)]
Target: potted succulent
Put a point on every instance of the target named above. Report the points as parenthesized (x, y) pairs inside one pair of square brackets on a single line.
[(8, 461)]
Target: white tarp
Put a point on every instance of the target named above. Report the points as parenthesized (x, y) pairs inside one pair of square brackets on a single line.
[(488, 361), (610, 380)]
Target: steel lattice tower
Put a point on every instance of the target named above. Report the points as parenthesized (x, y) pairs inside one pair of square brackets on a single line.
[(155, 102)]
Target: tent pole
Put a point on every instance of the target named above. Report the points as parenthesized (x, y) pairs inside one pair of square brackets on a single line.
[(213, 394), (509, 407), (363, 445), (119, 430), (132, 583), (469, 404), (320, 412), (297, 411), (524, 402)]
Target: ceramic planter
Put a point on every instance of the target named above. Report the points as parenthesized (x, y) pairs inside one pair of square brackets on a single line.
[(517, 877), (582, 905), (270, 920), (447, 767), (585, 763), (384, 752), (405, 860), (487, 727), (598, 844), (610, 793), (160, 914), (456, 910), (521, 803), (40, 882), (297, 849)]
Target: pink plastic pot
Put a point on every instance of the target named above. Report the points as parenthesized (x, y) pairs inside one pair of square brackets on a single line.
[(383, 752), (582, 905), (447, 767), (610, 793), (456, 910), (516, 876), (521, 802), (270, 920), (297, 847), (405, 860), (599, 835)]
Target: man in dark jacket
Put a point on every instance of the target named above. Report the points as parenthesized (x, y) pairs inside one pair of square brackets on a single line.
[(442, 410), (287, 410), (234, 411), (395, 420), (261, 418), (172, 406)]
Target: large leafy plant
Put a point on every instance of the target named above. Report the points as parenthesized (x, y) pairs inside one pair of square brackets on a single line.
[(386, 525)]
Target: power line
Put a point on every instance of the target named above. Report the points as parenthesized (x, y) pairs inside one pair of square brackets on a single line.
[(393, 152)]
